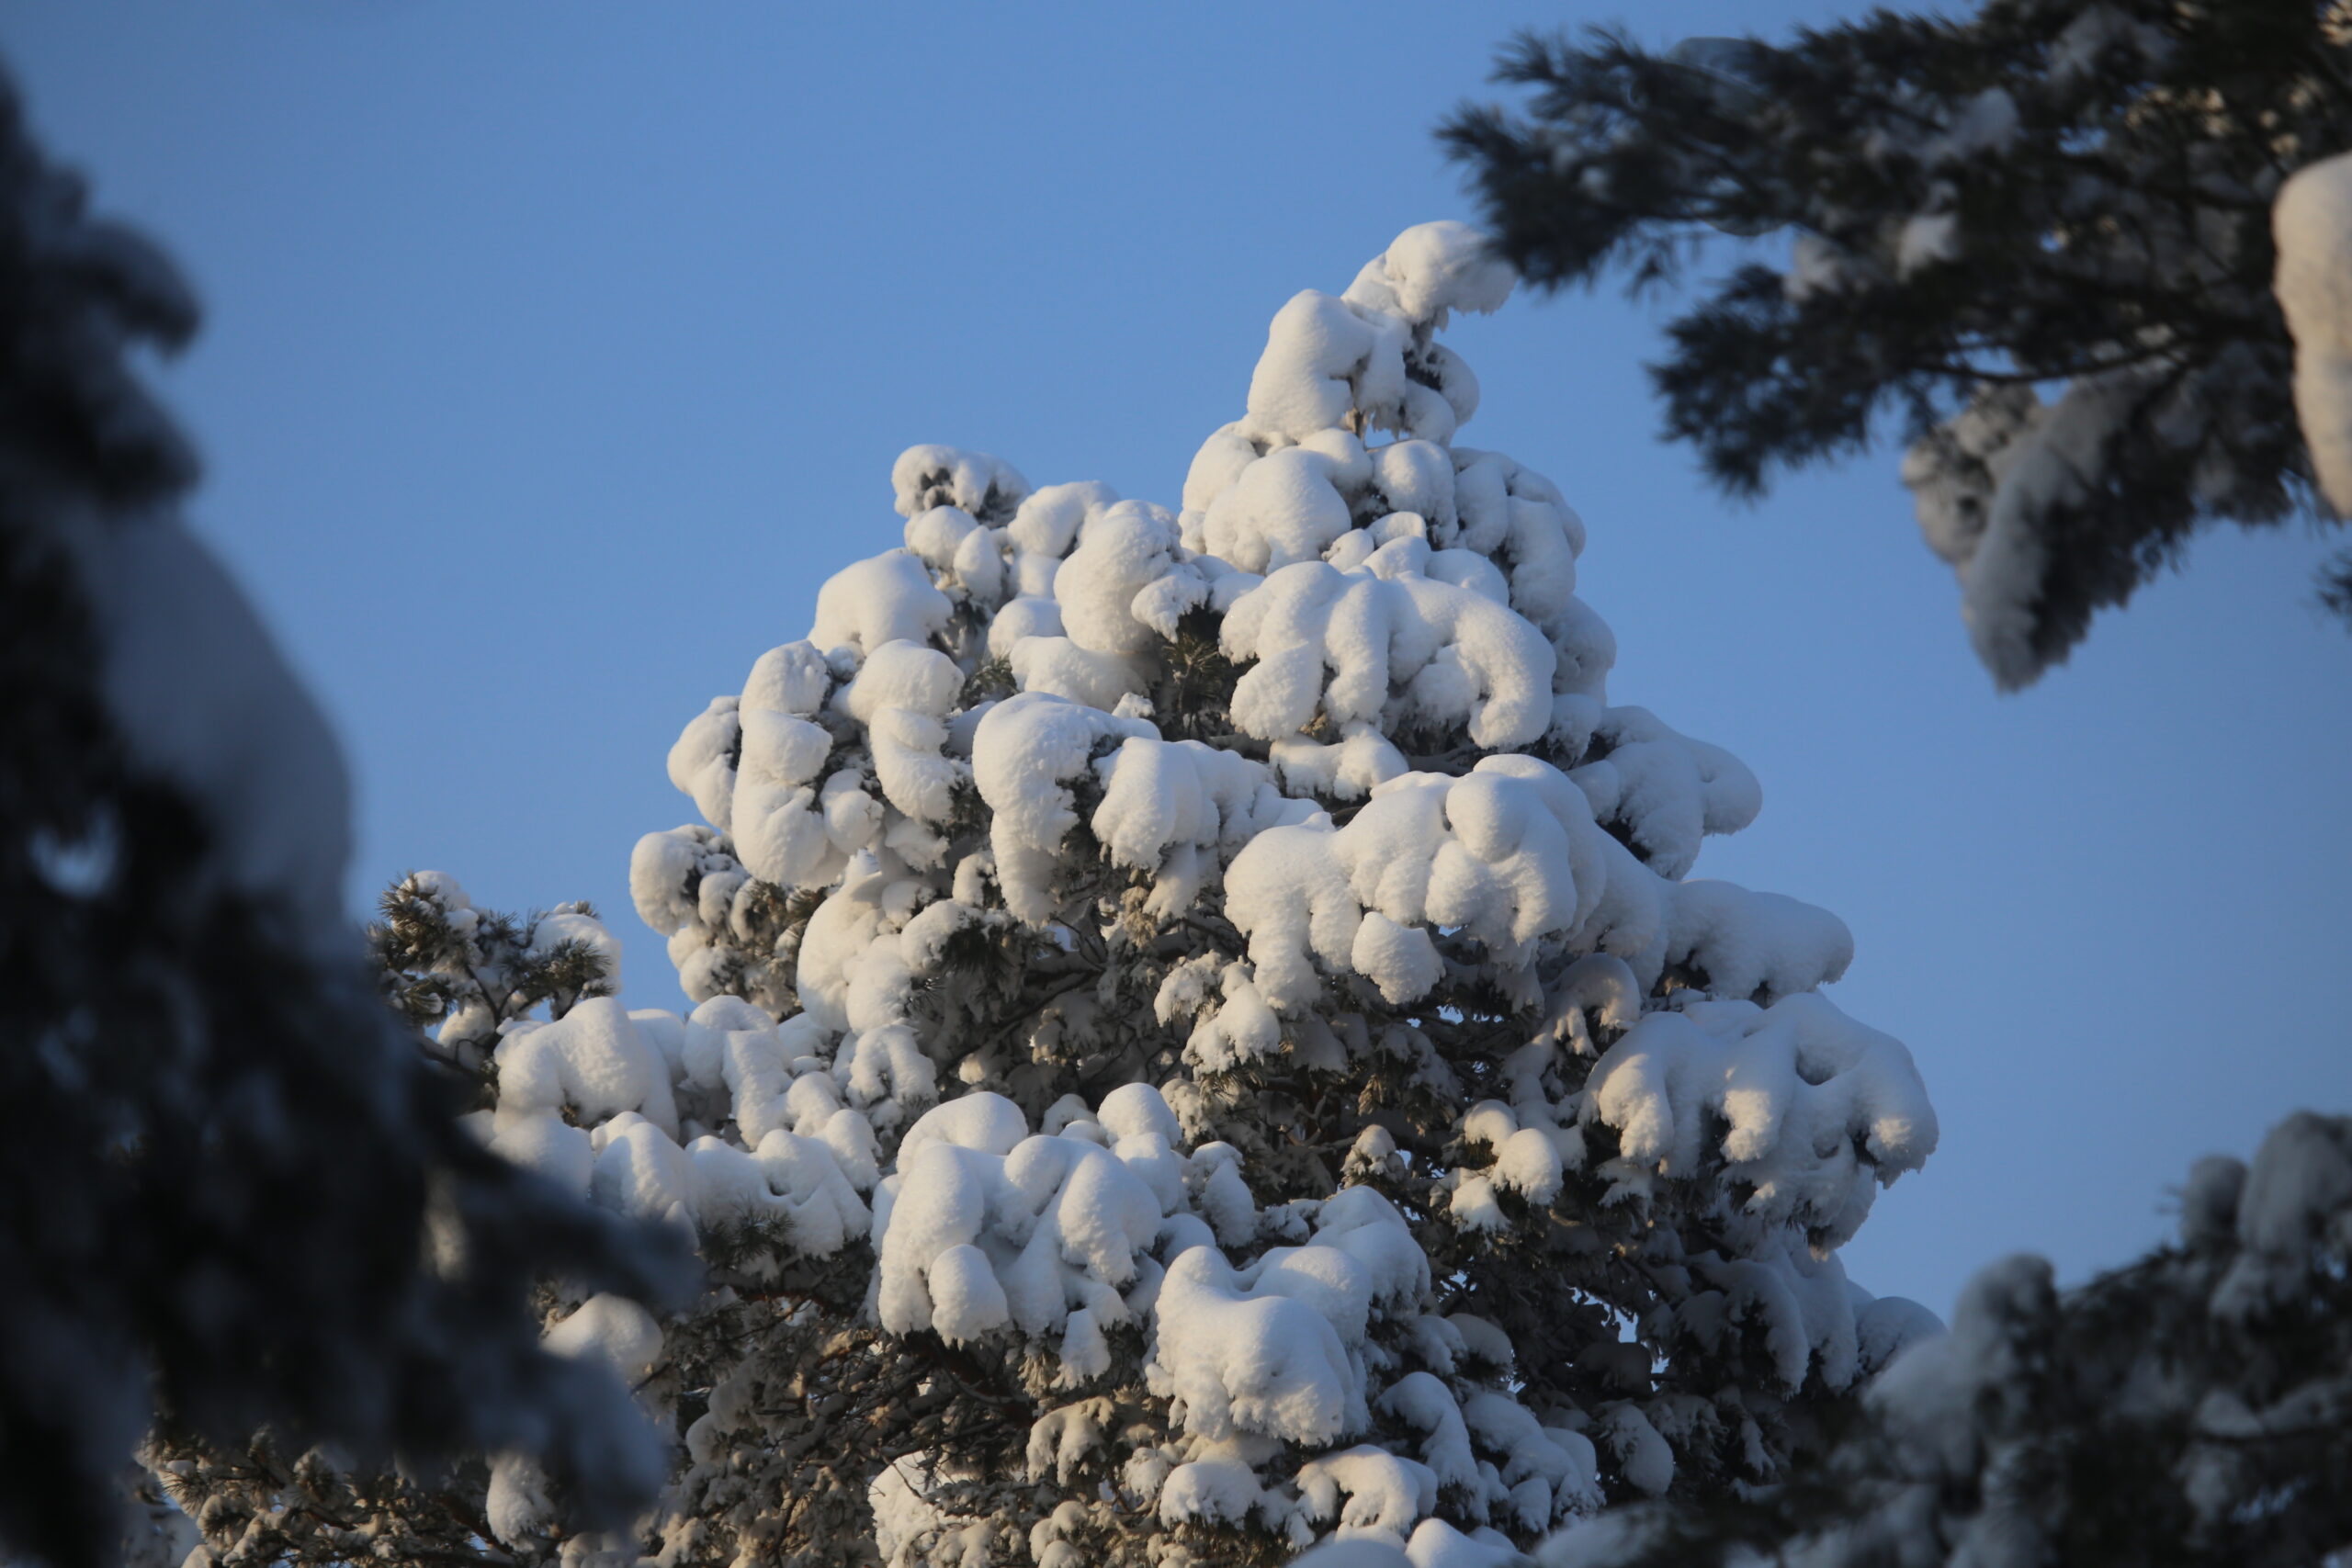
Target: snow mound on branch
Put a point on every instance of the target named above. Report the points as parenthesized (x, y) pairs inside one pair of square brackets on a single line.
[(1430, 269), (2296, 1201), (1025, 752), (1181, 811), (887, 598), (1664, 789), (974, 482), (1266, 1348), (1349, 645), (1366, 356), (590, 1101), (1383, 1495), (1817, 1110), (972, 1241), (1504, 855), (613, 1329), (1991, 484), (2311, 221), (1750, 944), (591, 1061)]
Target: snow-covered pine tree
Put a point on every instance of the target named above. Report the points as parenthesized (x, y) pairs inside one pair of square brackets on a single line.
[(221, 1155), (1206, 1040), (2067, 200), (2191, 1408), (1248, 972)]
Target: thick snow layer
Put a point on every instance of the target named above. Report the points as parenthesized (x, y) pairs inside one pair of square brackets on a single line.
[(1181, 811), (2296, 1196), (1023, 755), (1328, 360), (1504, 855), (2311, 221), (984, 487), (613, 1329), (1266, 1350), (592, 1061), (518, 1506), (1992, 481), (1754, 945), (1366, 1492), (1437, 1544), (1237, 1360), (1324, 359), (986, 1228), (1129, 547), (1666, 790), (1433, 268), (885, 598), (1816, 1111), (1425, 1403), (1390, 640), (1552, 1473)]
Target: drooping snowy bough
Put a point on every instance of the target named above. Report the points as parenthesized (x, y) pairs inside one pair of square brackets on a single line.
[(2089, 255), (1206, 1039)]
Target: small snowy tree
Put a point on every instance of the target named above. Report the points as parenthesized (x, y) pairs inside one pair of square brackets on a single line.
[(222, 1156), (2041, 235), (2194, 1408), (1207, 1040)]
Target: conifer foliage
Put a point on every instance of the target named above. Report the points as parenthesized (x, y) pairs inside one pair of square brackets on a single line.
[(1205, 1037), (2194, 1408), (2039, 236), (464, 972)]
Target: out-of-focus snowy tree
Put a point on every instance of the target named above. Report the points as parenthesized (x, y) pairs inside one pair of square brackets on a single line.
[(1207, 1040), (235, 1193), (2194, 1408), (2038, 237), (469, 975)]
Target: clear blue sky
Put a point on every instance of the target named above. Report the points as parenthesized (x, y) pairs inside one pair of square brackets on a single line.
[(558, 352)]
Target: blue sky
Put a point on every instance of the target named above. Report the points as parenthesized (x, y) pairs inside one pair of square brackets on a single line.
[(557, 353)]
